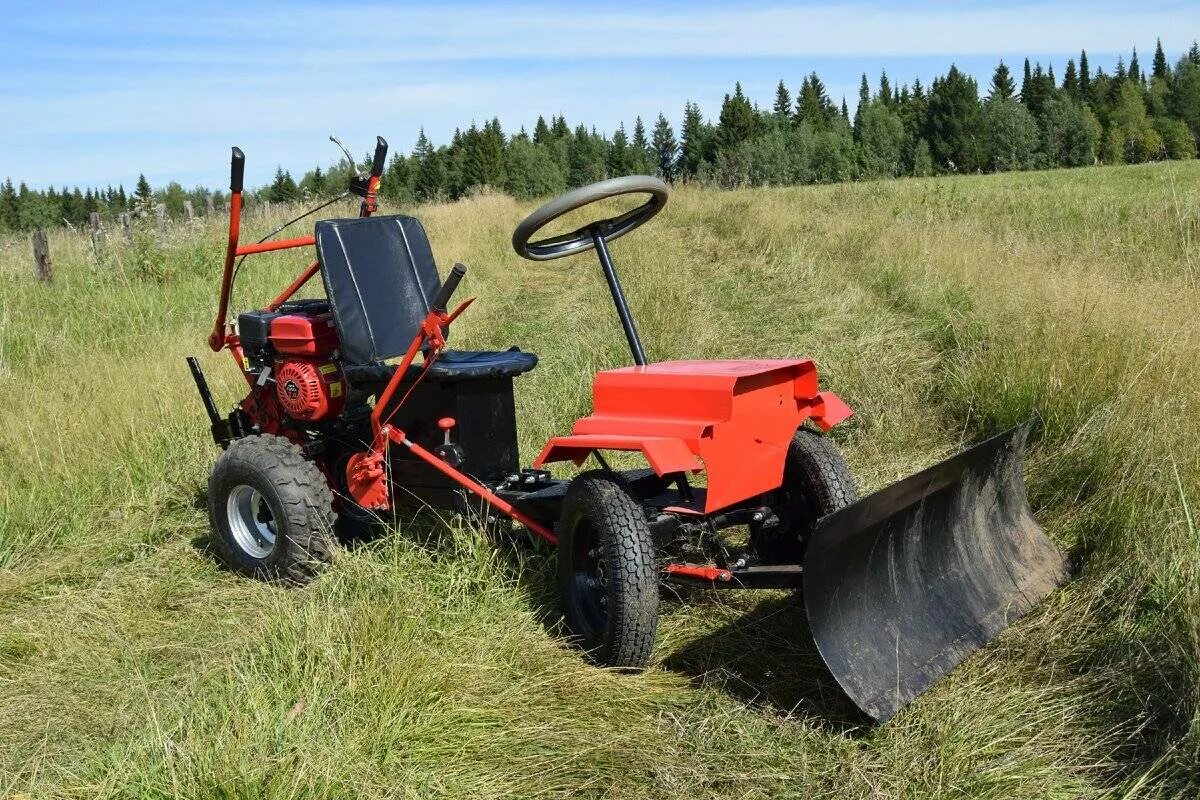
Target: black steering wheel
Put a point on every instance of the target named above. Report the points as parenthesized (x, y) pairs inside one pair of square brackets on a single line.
[(579, 240)]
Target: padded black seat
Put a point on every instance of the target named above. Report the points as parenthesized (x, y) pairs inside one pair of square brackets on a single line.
[(458, 365), (380, 277), (451, 365)]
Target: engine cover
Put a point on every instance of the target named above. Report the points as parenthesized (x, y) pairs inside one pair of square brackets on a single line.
[(310, 390)]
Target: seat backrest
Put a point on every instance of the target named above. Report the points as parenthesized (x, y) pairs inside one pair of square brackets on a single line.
[(380, 278)]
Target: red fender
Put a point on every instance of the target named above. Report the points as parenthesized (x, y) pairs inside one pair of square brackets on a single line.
[(733, 419)]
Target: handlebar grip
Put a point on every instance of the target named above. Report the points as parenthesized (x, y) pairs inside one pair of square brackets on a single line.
[(443, 295), (380, 155), (237, 169)]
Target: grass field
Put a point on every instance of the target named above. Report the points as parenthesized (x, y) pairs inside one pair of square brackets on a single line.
[(428, 663)]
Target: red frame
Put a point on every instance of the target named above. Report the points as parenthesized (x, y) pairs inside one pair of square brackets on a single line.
[(732, 419), (431, 332)]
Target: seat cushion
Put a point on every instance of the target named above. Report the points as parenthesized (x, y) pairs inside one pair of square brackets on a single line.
[(451, 365), (457, 365)]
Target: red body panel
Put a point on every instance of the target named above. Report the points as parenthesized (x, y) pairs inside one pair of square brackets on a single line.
[(734, 419), (304, 334)]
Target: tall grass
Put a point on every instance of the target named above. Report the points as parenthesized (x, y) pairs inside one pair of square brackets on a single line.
[(428, 662)]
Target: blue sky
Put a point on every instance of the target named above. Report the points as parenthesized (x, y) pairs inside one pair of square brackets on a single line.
[(94, 93)]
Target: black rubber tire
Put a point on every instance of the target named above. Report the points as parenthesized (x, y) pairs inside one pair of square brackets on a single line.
[(816, 482), (603, 530), (299, 502)]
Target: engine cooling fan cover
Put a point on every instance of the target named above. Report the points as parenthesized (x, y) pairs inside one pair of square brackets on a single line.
[(310, 390)]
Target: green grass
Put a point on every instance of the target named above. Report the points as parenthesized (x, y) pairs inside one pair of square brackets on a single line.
[(428, 663)]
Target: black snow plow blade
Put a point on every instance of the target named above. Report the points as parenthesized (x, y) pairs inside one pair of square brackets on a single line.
[(903, 585)]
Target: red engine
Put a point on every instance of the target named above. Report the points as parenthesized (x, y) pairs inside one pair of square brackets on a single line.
[(309, 389), (298, 344)]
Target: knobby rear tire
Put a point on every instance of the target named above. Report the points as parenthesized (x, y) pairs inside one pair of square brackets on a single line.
[(298, 504)]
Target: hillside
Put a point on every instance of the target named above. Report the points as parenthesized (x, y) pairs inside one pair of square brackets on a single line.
[(427, 663)]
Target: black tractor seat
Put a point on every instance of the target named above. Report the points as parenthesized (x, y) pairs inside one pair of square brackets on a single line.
[(451, 365), (380, 277)]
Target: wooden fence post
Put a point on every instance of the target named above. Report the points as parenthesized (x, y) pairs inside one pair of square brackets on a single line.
[(188, 211), (94, 229), (209, 208), (41, 256), (126, 229), (160, 211)]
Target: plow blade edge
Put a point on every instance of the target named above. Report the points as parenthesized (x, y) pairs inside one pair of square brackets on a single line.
[(906, 583)]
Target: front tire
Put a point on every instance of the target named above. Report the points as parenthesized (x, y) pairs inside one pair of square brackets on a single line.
[(271, 510), (607, 572), (816, 482)]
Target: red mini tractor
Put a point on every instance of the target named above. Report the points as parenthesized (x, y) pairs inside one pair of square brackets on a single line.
[(898, 587)]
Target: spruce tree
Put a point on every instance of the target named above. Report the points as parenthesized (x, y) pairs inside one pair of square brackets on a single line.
[(10, 213), (430, 182), (952, 125), (864, 91), (737, 122), (282, 189), (1070, 83), (1135, 73), (1161, 70), (1003, 86), (541, 131), (783, 101), (666, 148), (619, 161), (143, 192), (1037, 90), (812, 104), (317, 181), (641, 157), (1183, 94), (885, 89), (694, 144), (585, 158), (491, 149), (1085, 77)]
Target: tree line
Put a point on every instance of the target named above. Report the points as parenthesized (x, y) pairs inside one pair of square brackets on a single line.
[(1088, 116)]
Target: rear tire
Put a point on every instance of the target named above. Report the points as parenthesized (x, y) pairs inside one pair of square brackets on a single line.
[(271, 510), (816, 482), (607, 572)]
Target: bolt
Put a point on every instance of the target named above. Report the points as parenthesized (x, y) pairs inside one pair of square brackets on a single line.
[(758, 516)]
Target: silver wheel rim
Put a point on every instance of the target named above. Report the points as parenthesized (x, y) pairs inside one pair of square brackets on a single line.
[(251, 521)]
